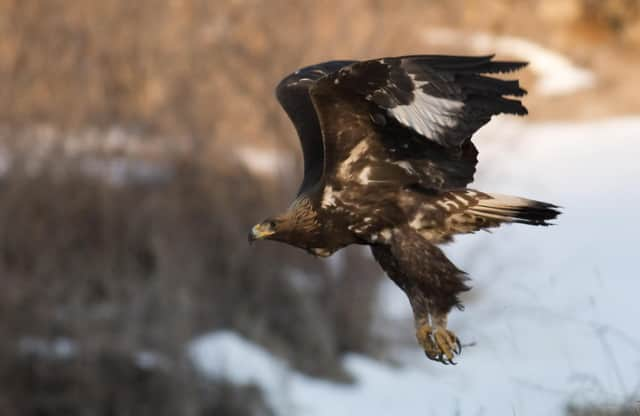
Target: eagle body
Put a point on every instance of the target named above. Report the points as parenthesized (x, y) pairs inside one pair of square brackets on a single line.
[(388, 156)]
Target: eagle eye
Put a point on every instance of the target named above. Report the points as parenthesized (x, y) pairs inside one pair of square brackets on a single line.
[(272, 224)]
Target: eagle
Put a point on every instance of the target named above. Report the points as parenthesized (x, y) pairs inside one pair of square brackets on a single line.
[(388, 157)]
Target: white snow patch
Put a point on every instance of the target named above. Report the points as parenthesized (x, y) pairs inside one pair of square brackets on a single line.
[(148, 360), (121, 171), (225, 355), (263, 161), (60, 347), (116, 155), (380, 389), (557, 74)]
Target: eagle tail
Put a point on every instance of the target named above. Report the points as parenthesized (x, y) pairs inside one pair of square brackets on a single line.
[(505, 208)]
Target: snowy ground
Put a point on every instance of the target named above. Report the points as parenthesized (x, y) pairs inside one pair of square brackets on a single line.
[(553, 312)]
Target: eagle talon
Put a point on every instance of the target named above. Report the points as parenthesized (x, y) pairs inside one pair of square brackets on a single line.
[(439, 344)]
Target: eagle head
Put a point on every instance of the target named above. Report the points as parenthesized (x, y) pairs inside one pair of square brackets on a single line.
[(282, 228), (266, 230), (296, 226)]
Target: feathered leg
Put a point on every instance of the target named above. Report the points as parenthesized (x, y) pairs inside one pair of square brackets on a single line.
[(432, 284)]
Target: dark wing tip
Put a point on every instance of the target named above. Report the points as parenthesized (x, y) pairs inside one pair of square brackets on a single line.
[(538, 213), (502, 67), (493, 105), (483, 64), (305, 77), (293, 93), (471, 74)]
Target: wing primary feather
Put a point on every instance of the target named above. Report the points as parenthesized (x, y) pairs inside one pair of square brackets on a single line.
[(500, 67), (498, 105), (492, 86), (468, 64)]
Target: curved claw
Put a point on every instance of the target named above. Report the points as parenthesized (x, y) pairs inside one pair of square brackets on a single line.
[(440, 358), (446, 361), (439, 344), (436, 357), (449, 361)]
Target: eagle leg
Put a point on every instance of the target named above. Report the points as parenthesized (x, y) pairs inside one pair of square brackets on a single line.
[(432, 284), (424, 334)]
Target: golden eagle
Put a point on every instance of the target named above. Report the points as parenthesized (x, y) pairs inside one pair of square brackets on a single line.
[(387, 158)]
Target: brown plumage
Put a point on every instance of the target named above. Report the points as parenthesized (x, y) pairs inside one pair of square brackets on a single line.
[(388, 155)]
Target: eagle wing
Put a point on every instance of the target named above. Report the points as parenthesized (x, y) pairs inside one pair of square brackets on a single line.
[(293, 94), (422, 111)]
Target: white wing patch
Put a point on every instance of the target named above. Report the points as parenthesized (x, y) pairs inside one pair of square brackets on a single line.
[(426, 114)]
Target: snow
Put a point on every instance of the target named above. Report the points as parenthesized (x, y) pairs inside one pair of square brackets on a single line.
[(552, 314), (149, 360), (557, 75), (225, 355), (57, 348), (122, 171), (116, 155), (264, 162)]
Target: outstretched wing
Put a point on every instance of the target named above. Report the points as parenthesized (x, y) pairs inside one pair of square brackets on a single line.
[(293, 94), (422, 111)]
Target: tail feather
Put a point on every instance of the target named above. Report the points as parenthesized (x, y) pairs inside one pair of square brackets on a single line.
[(467, 211), (505, 208)]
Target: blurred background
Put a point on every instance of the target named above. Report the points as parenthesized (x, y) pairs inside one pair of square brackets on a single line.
[(140, 140)]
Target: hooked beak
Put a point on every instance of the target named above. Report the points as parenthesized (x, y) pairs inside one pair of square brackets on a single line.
[(259, 232)]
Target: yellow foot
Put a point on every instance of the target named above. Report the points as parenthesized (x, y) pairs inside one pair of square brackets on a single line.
[(439, 343)]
